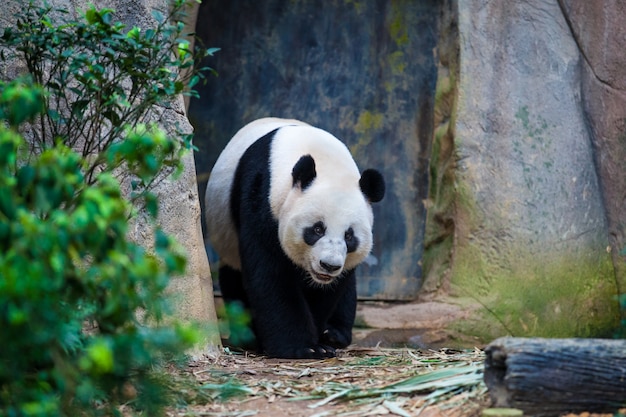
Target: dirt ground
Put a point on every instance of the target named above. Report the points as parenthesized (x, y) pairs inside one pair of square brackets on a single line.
[(359, 382), (393, 342), (404, 362)]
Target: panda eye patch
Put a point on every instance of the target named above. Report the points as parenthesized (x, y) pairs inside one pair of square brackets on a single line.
[(314, 233), (319, 229), (352, 242)]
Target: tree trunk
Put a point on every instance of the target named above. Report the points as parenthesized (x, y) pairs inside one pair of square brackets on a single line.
[(549, 377)]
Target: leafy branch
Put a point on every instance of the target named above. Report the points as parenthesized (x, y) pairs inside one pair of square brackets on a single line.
[(103, 78)]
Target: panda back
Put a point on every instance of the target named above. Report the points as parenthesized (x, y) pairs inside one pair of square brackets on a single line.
[(220, 224)]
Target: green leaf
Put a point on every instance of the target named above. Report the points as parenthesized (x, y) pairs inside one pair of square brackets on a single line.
[(106, 15), (152, 205), (134, 33), (25, 176), (92, 16), (22, 104), (79, 106), (99, 357), (193, 81), (112, 116), (150, 34), (161, 240), (158, 16)]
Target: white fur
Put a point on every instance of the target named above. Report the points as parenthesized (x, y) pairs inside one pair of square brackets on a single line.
[(339, 210), (334, 197)]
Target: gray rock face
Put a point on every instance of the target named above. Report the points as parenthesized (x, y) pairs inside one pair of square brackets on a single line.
[(598, 28), (524, 151), (523, 160), (531, 233), (179, 216)]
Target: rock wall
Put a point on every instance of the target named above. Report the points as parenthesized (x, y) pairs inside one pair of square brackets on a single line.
[(599, 32), (440, 220), (179, 213), (530, 233), (364, 71), (526, 187)]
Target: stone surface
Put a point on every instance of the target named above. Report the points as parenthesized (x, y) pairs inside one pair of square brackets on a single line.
[(531, 235), (179, 216), (526, 148), (424, 324), (179, 205), (363, 71), (599, 30), (423, 315), (440, 220)]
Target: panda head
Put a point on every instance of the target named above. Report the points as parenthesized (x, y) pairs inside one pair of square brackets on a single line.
[(326, 225)]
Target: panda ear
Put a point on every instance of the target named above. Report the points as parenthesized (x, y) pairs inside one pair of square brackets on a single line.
[(303, 172), (372, 185)]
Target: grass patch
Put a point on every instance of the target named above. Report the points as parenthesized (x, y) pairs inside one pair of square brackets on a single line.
[(538, 295)]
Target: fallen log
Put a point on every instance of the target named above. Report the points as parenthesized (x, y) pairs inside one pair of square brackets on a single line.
[(550, 377)]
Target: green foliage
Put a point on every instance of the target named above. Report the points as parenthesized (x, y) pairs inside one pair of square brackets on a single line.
[(65, 262), (20, 103), (71, 283), (236, 321), (103, 77)]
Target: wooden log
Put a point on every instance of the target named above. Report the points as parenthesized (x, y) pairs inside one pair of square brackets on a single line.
[(550, 377)]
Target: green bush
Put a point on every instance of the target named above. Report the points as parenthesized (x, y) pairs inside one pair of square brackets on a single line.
[(65, 262), (71, 283), (103, 77)]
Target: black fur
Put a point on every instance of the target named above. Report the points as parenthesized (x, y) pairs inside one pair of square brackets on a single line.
[(372, 184), (303, 172), (313, 233), (291, 318), (352, 242)]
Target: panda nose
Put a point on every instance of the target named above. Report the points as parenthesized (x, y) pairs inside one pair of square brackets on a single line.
[(328, 267)]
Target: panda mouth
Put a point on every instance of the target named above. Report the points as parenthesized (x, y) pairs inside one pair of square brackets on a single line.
[(322, 278)]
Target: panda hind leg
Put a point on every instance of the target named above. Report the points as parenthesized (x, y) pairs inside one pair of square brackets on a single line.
[(231, 285), (236, 310)]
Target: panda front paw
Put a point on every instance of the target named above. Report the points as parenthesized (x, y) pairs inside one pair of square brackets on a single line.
[(317, 352), (336, 338), (312, 352)]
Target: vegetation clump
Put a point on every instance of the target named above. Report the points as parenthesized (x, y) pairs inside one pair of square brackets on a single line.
[(71, 282)]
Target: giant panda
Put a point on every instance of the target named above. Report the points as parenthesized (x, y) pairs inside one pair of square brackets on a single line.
[(290, 217)]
